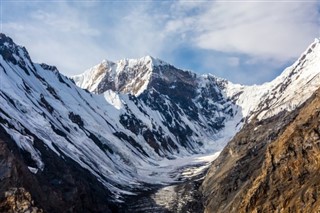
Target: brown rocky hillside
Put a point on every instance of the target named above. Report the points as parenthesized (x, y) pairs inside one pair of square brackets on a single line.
[(270, 166)]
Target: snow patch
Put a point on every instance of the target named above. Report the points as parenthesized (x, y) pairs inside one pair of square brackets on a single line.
[(33, 170), (113, 99)]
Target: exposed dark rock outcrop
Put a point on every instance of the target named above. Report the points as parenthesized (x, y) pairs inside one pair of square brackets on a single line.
[(62, 186)]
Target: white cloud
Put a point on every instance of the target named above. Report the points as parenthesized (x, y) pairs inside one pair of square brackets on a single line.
[(57, 34), (280, 30), (137, 33), (71, 54), (66, 20)]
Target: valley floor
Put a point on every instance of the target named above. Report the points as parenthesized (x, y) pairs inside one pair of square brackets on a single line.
[(180, 194)]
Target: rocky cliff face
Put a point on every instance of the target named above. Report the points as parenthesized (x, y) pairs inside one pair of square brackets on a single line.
[(269, 166), (62, 186), (192, 109)]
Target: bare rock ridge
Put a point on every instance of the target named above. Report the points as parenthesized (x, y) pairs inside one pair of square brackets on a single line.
[(137, 127)]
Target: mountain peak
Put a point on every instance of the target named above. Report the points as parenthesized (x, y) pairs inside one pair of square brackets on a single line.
[(5, 39), (6, 43), (126, 75), (15, 54), (153, 61), (145, 60), (132, 61)]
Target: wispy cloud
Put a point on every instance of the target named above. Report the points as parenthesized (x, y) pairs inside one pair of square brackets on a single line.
[(54, 33), (230, 39), (247, 42), (64, 21), (260, 29), (137, 33)]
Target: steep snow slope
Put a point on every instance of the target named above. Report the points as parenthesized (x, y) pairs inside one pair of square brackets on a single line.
[(68, 120), (191, 110), (196, 103), (289, 90), (123, 140)]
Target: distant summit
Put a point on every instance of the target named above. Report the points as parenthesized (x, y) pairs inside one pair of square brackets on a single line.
[(126, 76)]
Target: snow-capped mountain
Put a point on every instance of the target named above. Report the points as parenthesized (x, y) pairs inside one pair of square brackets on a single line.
[(289, 90), (138, 122), (173, 98), (286, 92), (122, 139), (127, 76)]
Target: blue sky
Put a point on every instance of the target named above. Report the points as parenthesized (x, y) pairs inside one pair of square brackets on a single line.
[(243, 41)]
